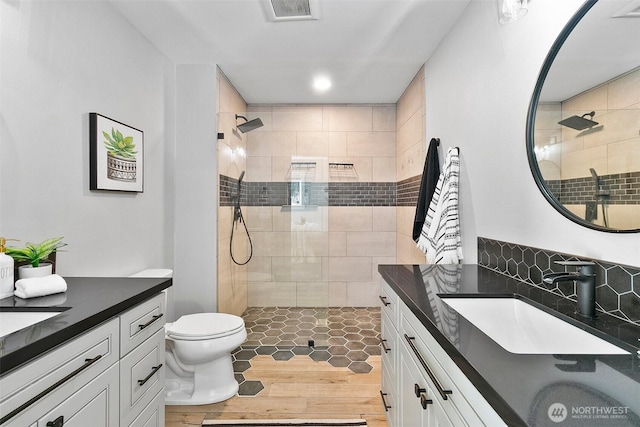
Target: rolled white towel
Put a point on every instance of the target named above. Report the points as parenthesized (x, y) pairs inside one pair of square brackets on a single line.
[(40, 286)]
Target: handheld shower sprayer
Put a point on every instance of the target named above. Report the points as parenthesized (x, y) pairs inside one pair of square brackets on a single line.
[(239, 219), (237, 212), (599, 194)]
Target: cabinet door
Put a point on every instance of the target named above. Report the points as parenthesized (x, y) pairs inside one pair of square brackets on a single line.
[(153, 414), (95, 404), (141, 377), (411, 411)]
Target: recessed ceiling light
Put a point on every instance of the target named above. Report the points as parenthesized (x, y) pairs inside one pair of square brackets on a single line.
[(321, 83)]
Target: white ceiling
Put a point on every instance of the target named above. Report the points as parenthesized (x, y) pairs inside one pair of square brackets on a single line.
[(371, 49), (600, 48)]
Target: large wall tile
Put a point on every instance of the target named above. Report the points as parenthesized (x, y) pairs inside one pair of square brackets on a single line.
[(384, 118), (312, 294), (384, 169), (371, 144), (349, 118), (297, 118), (381, 243), (337, 294), (338, 243), (351, 219), (349, 269), (272, 294), (312, 144), (384, 218), (363, 294)]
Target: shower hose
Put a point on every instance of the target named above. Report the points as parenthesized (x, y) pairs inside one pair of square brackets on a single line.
[(238, 218)]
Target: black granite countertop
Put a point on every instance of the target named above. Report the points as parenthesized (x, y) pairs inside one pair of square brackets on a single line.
[(596, 390), (87, 302)]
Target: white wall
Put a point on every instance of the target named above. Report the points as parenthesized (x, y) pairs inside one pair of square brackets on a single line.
[(59, 61), (478, 86), (196, 190)]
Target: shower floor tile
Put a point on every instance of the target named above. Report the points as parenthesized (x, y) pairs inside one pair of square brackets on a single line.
[(345, 337)]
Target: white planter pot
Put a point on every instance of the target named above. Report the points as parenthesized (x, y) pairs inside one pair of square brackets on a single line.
[(27, 271)]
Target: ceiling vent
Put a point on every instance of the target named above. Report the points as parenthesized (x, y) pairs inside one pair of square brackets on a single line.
[(292, 10)]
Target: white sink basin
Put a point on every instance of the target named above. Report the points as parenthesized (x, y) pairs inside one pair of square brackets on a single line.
[(521, 328), (12, 321)]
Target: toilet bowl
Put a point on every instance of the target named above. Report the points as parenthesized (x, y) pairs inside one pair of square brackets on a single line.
[(198, 355)]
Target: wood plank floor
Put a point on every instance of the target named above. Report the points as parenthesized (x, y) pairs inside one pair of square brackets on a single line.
[(297, 388)]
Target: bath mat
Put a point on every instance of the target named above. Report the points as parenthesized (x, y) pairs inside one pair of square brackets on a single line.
[(285, 423)]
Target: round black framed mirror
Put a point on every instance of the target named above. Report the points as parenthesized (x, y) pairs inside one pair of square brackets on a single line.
[(583, 123)]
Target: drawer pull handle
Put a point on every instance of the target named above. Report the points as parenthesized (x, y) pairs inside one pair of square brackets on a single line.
[(384, 300), (418, 391), (87, 363), (384, 347), (153, 371), (384, 401), (424, 401), (440, 389), (58, 422), (150, 321)]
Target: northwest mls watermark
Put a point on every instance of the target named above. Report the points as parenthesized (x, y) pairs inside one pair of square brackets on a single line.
[(559, 412)]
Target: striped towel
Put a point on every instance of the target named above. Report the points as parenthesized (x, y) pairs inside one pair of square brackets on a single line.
[(440, 236)]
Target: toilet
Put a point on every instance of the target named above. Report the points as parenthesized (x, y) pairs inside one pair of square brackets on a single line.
[(198, 354)]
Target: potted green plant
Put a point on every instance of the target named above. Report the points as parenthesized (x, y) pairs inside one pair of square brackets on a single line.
[(121, 156), (29, 259)]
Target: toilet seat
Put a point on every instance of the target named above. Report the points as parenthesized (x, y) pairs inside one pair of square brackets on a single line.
[(204, 326)]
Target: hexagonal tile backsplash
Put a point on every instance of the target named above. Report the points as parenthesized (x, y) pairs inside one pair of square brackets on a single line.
[(617, 286), (344, 337)]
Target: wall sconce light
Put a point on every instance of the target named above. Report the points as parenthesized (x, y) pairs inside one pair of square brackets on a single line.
[(511, 10)]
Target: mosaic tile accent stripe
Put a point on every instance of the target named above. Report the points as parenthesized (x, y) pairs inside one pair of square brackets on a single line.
[(617, 286), (362, 193), (313, 193), (408, 191), (623, 188)]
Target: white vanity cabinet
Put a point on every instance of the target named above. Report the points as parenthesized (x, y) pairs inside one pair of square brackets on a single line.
[(142, 363), (390, 353), (67, 385), (430, 389), (102, 378)]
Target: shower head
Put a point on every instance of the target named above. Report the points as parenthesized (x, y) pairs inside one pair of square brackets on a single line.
[(579, 122), (249, 125)]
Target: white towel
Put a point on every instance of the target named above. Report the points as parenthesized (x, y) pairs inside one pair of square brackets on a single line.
[(440, 236), (40, 286)]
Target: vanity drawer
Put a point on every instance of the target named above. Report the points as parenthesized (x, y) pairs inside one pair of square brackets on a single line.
[(153, 414), (447, 374), (389, 343), (77, 362), (141, 377), (141, 322), (389, 396), (389, 303)]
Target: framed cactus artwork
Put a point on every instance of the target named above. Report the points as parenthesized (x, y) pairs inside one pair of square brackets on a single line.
[(116, 155)]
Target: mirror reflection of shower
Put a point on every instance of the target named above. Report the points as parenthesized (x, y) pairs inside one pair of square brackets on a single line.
[(248, 125), (600, 196), (238, 218)]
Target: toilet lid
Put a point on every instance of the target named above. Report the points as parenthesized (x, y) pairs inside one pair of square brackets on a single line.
[(205, 326)]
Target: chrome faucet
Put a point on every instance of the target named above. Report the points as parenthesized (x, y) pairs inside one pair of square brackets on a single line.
[(585, 279)]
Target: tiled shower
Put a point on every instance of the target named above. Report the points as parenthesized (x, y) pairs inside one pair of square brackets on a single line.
[(326, 196)]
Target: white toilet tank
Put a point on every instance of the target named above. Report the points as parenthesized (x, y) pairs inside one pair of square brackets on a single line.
[(154, 273)]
